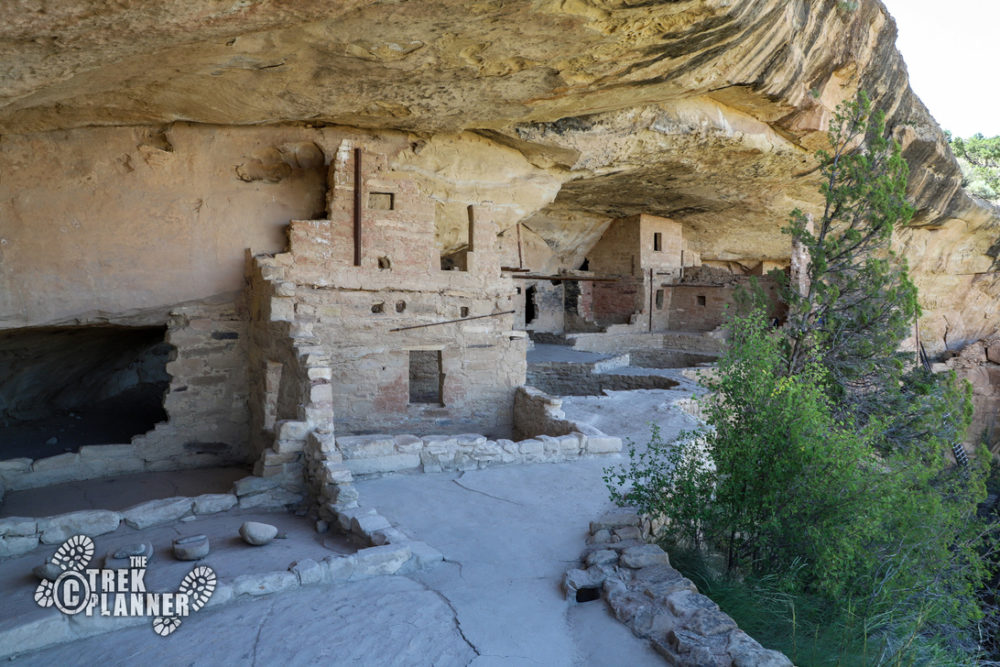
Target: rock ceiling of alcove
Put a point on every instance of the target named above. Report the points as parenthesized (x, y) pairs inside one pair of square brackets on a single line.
[(707, 110)]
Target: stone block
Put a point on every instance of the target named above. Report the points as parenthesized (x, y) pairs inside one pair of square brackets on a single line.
[(685, 603), (264, 583), (249, 485), (292, 430), (469, 440), (369, 523), (308, 571), (366, 446), (320, 373), (53, 628), (569, 445), (223, 595), (628, 533), (16, 545), (509, 451), (602, 557), (378, 561), (710, 622), (644, 555), (424, 555), (337, 568), (91, 523), (616, 519), (210, 503), (88, 452), (388, 536), (383, 464), (335, 473), (155, 512), (273, 498), (603, 444), (346, 517), (577, 579), (17, 526), (408, 444), (532, 449), (58, 462), (323, 441), (321, 393)]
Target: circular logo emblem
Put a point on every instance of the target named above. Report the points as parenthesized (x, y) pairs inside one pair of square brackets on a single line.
[(71, 592)]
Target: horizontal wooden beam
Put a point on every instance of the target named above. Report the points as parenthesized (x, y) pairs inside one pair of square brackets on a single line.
[(461, 319)]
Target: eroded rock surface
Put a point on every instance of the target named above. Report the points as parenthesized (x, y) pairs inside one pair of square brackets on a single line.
[(705, 111)]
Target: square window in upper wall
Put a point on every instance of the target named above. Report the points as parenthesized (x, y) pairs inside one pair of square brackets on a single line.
[(657, 242), (701, 300), (381, 201)]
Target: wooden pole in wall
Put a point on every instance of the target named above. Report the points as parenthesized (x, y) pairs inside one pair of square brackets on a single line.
[(357, 206), (651, 287), (472, 229), (520, 260)]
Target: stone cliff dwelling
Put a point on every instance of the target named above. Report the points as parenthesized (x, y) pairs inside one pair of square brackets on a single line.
[(358, 274)]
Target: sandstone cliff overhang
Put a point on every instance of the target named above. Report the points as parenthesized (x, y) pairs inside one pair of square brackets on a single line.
[(704, 111)]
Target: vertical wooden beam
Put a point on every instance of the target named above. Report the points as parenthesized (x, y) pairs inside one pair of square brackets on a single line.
[(651, 288), (472, 229), (358, 188), (520, 259)]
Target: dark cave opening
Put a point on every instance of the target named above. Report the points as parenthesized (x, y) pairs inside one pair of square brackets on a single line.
[(65, 387)]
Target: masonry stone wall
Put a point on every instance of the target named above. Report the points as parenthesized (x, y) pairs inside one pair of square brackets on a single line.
[(367, 319)]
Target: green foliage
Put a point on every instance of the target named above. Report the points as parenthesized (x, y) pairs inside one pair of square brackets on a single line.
[(859, 302), (827, 453), (979, 159)]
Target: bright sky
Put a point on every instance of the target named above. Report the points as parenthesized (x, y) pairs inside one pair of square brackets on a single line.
[(952, 50)]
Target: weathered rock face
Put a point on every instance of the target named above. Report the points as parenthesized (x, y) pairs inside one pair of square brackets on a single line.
[(706, 111)]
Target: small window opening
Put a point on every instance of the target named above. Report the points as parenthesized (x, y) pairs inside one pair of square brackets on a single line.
[(425, 376), (378, 307), (382, 201), (588, 594), (701, 300), (464, 311), (586, 265), (400, 306), (384, 263), (659, 299), (530, 306), (657, 242)]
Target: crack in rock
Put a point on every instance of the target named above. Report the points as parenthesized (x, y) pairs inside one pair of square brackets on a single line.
[(488, 495), (458, 623)]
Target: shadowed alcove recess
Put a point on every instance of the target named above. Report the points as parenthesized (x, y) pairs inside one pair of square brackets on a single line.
[(65, 387)]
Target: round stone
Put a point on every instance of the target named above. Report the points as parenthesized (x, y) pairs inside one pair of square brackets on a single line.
[(191, 547), (257, 534), (48, 571), (137, 549)]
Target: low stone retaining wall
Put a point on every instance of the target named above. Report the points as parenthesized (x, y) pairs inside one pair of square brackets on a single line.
[(376, 454), (574, 379), (656, 601), (19, 535)]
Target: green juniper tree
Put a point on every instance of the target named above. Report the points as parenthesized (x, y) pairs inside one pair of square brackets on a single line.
[(859, 303), (827, 452)]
